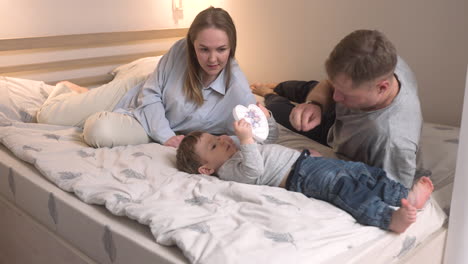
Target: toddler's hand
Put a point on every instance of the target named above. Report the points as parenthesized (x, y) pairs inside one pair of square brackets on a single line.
[(314, 153), (264, 110), (227, 138), (243, 131)]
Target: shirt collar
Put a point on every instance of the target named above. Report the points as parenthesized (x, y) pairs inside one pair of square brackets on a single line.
[(218, 84)]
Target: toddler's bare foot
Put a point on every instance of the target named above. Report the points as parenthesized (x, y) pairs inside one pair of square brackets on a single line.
[(403, 217), (420, 193), (263, 89)]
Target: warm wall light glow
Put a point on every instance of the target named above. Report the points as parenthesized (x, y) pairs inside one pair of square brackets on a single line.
[(184, 11), (177, 5)]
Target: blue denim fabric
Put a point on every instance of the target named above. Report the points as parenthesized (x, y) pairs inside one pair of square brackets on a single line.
[(363, 191)]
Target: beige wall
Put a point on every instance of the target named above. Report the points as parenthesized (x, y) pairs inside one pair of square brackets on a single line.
[(32, 18), (280, 40), (27, 18)]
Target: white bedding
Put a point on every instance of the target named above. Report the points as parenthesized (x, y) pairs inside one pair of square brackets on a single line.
[(211, 221)]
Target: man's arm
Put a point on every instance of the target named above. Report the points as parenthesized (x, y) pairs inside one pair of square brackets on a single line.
[(322, 94), (400, 164), (306, 116)]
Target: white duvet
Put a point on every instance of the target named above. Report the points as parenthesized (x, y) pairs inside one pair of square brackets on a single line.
[(210, 220)]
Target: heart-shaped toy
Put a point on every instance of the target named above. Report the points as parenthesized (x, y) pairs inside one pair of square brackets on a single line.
[(257, 119)]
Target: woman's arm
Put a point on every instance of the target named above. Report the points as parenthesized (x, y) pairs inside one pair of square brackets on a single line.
[(150, 110)]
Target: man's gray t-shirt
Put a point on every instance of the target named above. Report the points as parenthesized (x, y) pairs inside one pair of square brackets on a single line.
[(386, 138)]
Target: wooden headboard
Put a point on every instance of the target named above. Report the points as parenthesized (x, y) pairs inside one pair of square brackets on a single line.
[(35, 57)]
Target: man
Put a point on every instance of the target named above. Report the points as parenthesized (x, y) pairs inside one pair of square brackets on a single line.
[(367, 110)]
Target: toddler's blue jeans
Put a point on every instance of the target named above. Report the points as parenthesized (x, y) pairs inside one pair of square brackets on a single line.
[(363, 191)]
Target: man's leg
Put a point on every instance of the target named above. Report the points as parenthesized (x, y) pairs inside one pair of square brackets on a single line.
[(295, 91), (278, 98)]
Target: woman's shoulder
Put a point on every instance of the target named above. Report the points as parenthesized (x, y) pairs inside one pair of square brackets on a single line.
[(180, 44), (236, 72), (178, 48), (175, 58)]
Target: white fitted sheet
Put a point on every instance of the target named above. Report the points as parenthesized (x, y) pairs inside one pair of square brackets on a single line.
[(209, 220)]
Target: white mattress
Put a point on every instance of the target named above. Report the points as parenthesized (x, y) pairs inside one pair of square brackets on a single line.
[(209, 220), (438, 156), (91, 229)]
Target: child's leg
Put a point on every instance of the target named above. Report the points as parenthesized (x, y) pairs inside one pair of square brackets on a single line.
[(354, 187), (403, 217), (376, 180), (420, 193)]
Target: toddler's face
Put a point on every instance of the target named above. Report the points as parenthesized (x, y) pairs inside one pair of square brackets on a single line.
[(214, 150)]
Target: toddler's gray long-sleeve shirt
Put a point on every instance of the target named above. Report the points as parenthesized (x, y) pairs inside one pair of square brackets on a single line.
[(260, 164)]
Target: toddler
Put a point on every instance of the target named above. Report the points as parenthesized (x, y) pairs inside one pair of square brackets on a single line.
[(363, 191)]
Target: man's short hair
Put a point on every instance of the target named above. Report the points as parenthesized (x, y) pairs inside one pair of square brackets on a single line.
[(187, 160), (363, 55)]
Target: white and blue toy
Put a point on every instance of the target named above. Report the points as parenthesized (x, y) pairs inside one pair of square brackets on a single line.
[(257, 119)]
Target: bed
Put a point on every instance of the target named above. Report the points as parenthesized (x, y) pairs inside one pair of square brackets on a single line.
[(64, 202)]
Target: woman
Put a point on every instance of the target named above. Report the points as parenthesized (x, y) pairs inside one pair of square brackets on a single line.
[(195, 86)]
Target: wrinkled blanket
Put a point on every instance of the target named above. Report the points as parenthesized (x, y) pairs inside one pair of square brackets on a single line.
[(210, 220)]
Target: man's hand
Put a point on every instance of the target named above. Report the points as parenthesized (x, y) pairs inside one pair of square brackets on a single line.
[(243, 131), (174, 141), (305, 117)]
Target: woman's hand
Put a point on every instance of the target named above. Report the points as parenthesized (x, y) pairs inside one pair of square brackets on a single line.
[(174, 141)]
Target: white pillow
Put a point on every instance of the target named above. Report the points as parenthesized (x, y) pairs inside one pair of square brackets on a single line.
[(21, 98), (136, 71)]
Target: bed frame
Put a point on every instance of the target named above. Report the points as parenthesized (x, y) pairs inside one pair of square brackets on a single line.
[(36, 45), (39, 239), (23, 237)]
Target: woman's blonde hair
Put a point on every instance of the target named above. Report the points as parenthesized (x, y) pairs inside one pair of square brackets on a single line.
[(209, 18)]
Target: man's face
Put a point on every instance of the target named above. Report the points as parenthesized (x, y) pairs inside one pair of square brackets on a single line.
[(214, 151), (364, 97)]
